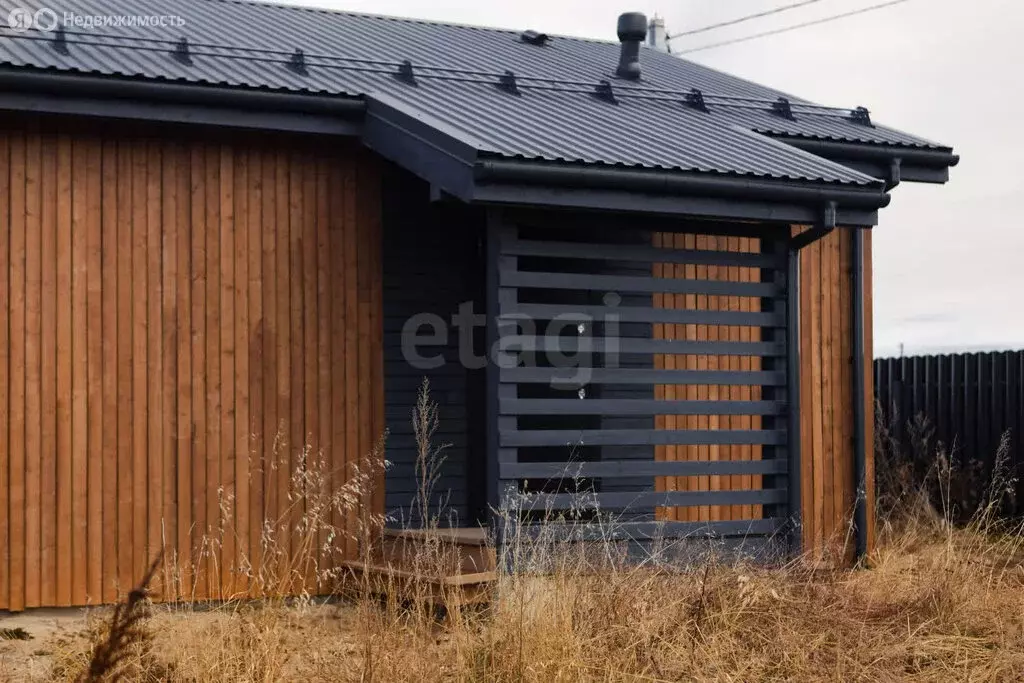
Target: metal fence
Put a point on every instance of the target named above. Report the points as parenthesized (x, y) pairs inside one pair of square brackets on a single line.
[(970, 400)]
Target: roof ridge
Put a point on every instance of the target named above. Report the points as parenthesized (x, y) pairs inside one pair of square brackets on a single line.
[(405, 19)]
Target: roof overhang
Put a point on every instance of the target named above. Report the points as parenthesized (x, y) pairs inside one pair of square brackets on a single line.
[(455, 165), (891, 163)]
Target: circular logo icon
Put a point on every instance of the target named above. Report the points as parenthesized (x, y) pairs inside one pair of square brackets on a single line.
[(20, 19), (46, 20)]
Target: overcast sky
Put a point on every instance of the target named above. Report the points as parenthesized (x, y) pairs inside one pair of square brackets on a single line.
[(949, 259)]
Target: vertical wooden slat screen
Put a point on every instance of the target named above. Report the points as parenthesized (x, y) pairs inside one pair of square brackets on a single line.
[(179, 317), (707, 362)]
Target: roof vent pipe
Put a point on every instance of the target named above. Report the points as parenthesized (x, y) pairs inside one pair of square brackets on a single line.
[(632, 30)]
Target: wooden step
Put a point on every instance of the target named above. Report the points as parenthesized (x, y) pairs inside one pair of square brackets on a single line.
[(441, 552), (456, 589)]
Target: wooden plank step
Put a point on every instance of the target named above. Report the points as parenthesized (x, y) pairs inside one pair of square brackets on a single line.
[(448, 591)]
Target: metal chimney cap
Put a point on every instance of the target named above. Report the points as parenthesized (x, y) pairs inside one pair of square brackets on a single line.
[(632, 26)]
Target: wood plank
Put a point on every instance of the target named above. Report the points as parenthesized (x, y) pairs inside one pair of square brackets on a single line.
[(282, 292), (5, 351), (845, 474), (271, 431), (295, 346), (125, 378), (64, 344), (139, 331), (377, 322), (240, 556), (16, 435), (323, 191), (173, 216), (815, 407), (339, 343), (228, 258), (352, 406), (213, 533), (834, 404), (256, 332), (109, 341), (183, 444), (828, 389), (152, 284), (200, 230), (33, 371), (79, 371), (310, 310), (93, 332)]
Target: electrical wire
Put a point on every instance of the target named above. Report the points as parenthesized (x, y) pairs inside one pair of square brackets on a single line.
[(733, 22), (787, 29)]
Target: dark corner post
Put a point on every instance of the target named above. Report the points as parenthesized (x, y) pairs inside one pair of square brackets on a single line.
[(492, 255), (500, 300), (859, 434), (793, 394)]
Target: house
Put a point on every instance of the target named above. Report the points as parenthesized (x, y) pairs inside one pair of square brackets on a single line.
[(233, 229)]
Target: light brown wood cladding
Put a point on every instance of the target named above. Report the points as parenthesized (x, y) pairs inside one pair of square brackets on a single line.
[(826, 375), (828, 491), (179, 315), (706, 362)]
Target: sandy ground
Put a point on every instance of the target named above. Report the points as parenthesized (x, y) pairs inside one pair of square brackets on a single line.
[(49, 630)]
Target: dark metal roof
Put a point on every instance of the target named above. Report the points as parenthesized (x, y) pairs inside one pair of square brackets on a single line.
[(556, 116)]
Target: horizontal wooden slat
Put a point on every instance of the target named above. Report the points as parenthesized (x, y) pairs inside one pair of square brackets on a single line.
[(619, 501), (575, 406), (641, 346), (643, 254), (619, 283), (572, 313), (642, 437), (638, 468), (565, 376), (646, 531)]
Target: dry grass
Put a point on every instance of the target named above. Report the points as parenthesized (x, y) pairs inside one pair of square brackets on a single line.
[(937, 602), (937, 605)]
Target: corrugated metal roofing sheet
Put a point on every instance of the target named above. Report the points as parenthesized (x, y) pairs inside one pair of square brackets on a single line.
[(248, 44)]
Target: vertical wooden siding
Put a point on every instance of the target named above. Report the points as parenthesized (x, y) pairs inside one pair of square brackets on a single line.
[(707, 362), (178, 317), (828, 490)]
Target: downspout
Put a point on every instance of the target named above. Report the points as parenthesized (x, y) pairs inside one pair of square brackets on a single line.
[(860, 446), (796, 244)]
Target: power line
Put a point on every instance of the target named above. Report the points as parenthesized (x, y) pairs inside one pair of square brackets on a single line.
[(741, 20), (794, 27)]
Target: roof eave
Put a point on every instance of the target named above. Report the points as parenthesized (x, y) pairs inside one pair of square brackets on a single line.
[(891, 163), (44, 91)]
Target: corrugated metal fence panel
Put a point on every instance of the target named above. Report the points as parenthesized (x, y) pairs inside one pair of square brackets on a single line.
[(178, 317), (969, 399)]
